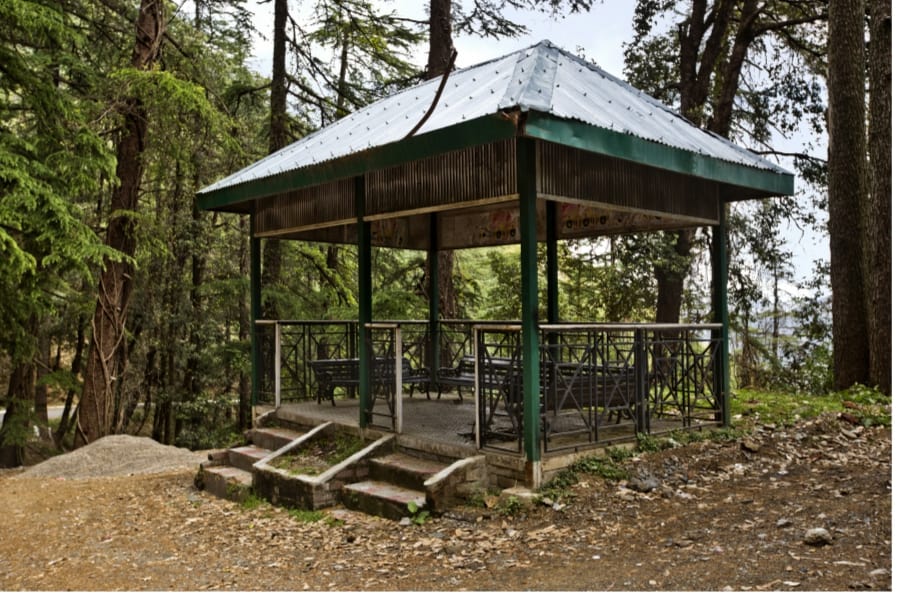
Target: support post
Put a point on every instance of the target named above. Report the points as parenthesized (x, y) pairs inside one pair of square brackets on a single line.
[(526, 177), (434, 298), (364, 251), (720, 312), (255, 309)]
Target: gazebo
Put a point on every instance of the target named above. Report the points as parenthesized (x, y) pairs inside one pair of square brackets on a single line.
[(532, 147)]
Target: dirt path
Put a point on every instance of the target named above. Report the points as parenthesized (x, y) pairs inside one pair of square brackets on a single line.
[(720, 516)]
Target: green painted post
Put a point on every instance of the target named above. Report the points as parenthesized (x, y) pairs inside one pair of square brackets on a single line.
[(255, 309), (434, 297), (526, 176), (364, 248), (720, 309)]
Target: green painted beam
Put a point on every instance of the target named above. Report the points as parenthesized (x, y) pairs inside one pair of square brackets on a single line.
[(526, 176), (577, 134), (464, 135)]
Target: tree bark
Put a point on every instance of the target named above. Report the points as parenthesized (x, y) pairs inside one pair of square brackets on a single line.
[(20, 394), (847, 188), (279, 137), (105, 363), (877, 211), (440, 53), (440, 38)]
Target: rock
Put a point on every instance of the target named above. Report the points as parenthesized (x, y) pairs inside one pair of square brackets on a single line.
[(879, 573), (817, 536), (750, 445), (783, 522), (643, 484)]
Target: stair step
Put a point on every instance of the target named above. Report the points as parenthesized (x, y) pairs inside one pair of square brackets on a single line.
[(244, 456), (226, 482), (381, 498), (404, 470), (273, 438)]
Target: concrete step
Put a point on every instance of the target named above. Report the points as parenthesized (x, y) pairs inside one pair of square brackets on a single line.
[(243, 457), (381, 499), (404, 470), (227, 482), (273, 438)]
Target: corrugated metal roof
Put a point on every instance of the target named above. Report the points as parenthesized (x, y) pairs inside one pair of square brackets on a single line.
[(541, 78)]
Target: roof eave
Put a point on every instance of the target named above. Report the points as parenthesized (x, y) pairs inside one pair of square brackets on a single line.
[(482, 130), (763, 182)]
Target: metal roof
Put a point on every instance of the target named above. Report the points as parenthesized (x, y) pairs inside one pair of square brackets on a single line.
[(541, 78)]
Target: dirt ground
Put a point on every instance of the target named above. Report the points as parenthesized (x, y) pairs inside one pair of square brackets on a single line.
[(807, 507)]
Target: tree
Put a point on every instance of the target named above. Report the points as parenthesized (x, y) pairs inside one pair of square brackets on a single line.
[(701, 63), (847, 188), (876, 212), (50, 157), (106, 361)]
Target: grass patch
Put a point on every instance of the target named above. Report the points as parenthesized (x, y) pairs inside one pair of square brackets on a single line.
[(251, 502), (306, 516), (866, 405), (607, 467), (320, 454)]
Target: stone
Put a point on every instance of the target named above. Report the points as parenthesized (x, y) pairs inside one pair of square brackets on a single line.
[(751, 445), (643, 484), (817, 536)]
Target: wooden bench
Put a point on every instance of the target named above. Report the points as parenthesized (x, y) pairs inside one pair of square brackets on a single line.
[(333, 373), (463, 374)]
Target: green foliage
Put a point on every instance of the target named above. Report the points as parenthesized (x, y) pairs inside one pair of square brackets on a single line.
[(648, 443), (608, 466), (511, 506), (306, 516), (206, 422), (252, 502), (418, 514), (867, 405), (16, 427), (781, 408)]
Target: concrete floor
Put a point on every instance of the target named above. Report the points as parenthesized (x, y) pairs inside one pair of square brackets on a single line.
[(448, 423)]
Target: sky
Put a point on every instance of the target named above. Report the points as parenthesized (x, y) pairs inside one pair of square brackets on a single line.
[(601, 33)]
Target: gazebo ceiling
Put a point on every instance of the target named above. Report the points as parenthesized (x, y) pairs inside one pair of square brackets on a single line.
[(613, 158)]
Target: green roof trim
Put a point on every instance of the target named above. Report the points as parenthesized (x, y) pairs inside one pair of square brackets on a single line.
[(483, 130), (611, 143)]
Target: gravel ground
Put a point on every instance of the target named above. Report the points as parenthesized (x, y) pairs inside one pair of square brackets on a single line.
[(805, 508)]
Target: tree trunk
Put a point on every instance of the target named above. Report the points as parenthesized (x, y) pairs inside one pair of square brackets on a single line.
[(440, 53), (43, 369), (14, 428), (440, 38), (278, 138), (670, 277), (65, 420), (847, 188), (106, 364), (877, 212)]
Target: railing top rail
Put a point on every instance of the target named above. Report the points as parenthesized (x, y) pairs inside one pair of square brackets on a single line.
[(628, 326), (306, 322), (506, 325), (604, 327)]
